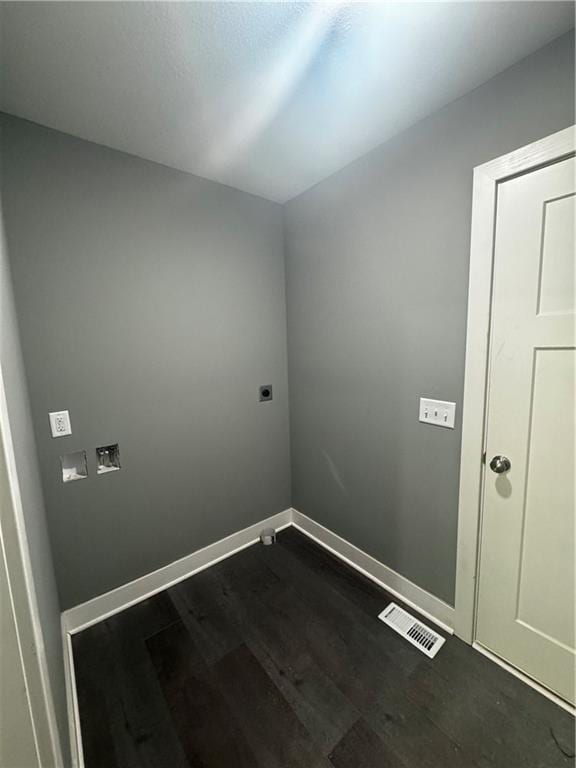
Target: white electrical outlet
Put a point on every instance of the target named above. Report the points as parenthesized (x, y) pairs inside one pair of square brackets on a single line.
[(437, 412), (60, 423)]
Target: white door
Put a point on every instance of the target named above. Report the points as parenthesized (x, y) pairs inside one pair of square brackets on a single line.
[(526, 597)]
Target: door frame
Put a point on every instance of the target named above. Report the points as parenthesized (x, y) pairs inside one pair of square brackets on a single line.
[(487, 177), (14, 550)]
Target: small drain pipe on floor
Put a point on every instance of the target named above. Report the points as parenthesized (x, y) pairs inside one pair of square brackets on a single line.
[(268, 536)]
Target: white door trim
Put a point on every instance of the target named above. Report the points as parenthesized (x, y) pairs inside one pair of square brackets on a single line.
[(26, 612), (486, 179)]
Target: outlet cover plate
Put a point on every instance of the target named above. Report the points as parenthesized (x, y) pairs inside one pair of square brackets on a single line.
[(60, 423), (440, 413)]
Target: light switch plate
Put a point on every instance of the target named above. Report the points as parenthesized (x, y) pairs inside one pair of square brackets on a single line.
[(440, 413), (60, 423)]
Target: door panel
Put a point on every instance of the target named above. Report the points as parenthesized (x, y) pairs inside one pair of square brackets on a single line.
[(526, 582), (556, 290), (547, 543)]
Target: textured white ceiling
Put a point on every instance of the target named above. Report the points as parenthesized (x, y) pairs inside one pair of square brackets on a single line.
[(267, 97)]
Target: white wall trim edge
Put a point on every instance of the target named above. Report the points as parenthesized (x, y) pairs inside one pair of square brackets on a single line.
[(411, 594), (35, 665), (74, 730), (486, 180)]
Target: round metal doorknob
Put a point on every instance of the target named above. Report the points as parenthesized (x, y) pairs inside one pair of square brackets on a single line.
[(500, 464)]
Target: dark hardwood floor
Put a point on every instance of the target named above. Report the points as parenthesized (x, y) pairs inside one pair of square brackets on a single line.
[(274, 658)]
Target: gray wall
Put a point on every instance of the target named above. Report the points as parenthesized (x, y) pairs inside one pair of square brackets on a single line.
[(25, 457), (377, 273), (151, 305)]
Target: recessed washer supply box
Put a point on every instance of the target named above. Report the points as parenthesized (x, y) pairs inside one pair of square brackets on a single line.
[(108, 458), (74, 466)]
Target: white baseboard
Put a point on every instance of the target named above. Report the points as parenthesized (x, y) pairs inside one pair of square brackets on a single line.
[(74, 730), (417, 598), (102, 607)]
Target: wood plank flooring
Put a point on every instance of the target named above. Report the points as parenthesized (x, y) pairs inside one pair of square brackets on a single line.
[(274, 658)]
